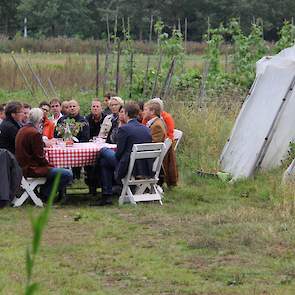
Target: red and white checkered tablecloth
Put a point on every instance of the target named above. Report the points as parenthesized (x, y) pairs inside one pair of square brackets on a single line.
[(78, 155)]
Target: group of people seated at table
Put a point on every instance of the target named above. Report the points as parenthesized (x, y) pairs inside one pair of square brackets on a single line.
[(25, 131)]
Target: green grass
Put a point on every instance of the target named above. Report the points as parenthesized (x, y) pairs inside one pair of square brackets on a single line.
[(210, 238)]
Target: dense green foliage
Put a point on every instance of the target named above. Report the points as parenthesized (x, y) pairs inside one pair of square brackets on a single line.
[(87, 18)]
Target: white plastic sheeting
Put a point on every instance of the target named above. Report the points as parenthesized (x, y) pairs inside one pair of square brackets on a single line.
[(266, 123)]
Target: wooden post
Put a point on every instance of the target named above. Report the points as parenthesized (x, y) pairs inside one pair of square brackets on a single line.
[(146, 75), (179, 25), (167, 89), (23, 76), (52, 87), (97, 72), (118, 68), (157, 74), (148, 58), (105, 75), (38, 80), (168, 78), (131, 75), (203, 83)]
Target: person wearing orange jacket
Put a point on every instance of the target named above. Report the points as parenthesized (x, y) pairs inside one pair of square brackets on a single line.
[(47, 126)]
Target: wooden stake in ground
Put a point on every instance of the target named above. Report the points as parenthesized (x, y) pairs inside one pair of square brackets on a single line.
[(118, 67), (131, 75), (106, 64), (144, 90), (38, 80), (168, 79), (52, 87), (148, 59), (157, 74), (203, 83), (23, 76), (97, 72)]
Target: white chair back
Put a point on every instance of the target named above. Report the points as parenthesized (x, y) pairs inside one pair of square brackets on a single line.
[(177, 137), (145, 189)]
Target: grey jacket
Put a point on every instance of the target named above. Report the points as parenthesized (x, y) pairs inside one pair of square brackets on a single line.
[(10, 175)]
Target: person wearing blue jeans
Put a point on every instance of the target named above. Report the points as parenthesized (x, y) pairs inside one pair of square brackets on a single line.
[(114, 165), (108, 162), (66, 177), (30, 155)]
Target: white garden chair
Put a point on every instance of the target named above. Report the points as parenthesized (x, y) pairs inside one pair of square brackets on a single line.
[(145, 189), (29, 185), (177, 135)]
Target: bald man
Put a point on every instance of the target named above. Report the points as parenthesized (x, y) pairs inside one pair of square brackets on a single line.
[(74, 112), (83, 135)]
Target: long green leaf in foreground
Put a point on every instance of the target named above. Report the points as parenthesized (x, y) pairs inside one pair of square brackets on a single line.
[(38, 225)]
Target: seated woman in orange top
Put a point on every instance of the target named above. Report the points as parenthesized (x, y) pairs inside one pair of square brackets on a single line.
[(47, 126)]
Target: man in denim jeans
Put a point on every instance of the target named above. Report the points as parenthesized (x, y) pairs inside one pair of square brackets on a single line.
[(114, 165), (30, 155)]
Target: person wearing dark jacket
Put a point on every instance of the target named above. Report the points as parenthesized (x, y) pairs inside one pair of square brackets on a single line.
[(84, 133), (114, 165), (95, 118), (74, 113), (11, 125), (11, 175)]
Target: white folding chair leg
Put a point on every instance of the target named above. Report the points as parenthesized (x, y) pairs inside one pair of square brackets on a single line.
[(29, 186)]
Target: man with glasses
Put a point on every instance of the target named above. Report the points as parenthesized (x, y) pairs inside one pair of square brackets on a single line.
[(11, 125), (47, 126)]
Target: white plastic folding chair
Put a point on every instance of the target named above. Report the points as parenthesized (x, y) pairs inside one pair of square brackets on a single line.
[(146, 189), (29, 185), (177, 137)]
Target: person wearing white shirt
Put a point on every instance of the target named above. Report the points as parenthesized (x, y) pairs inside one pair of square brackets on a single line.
[(55, 107)]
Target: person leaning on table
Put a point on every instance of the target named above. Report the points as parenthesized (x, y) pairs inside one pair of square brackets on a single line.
[(29, 152), (84, 133)]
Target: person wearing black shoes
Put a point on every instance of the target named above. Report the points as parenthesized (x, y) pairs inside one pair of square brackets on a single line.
[(114, 165), (95, 119)]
